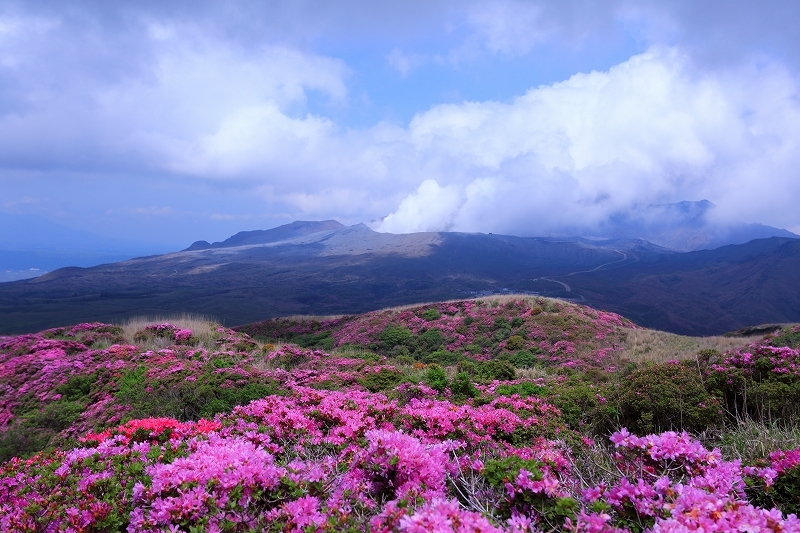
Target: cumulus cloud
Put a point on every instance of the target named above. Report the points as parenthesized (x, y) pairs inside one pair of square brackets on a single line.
[(569, 155), (431, 205)]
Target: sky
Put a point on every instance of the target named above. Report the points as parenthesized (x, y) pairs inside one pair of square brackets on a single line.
[(174, 121)]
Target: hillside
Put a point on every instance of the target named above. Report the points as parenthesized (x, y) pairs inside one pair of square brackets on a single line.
[(348, 270), (488, 415), (703, 292)]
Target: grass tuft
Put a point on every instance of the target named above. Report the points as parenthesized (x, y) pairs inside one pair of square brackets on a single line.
[(204, 328)]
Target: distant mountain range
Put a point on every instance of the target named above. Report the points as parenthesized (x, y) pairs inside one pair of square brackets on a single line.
[(326, 268), (31, 245)]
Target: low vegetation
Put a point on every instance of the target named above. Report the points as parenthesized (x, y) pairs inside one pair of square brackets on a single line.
[(504, 414)]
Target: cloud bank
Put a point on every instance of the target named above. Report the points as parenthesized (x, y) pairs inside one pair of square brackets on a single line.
[(567, 156)]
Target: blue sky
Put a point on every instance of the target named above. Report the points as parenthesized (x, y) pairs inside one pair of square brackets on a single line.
[(168, 122)]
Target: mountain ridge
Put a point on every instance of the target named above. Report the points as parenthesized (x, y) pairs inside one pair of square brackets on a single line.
[(353, 269)]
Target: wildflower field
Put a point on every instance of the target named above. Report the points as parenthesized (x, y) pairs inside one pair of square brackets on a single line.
[(517, 415)]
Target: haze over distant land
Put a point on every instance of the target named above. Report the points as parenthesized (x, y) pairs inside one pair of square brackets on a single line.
[(31, 245), (168, 122)]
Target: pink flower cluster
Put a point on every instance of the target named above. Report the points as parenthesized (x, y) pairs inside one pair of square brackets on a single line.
[(780, 360), (169, 331), (270, 466), (679, 485)]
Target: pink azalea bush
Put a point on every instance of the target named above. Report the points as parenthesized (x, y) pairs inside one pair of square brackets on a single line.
[(231, 475), (235, 438)]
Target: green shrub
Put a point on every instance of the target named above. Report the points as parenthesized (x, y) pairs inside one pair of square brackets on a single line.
[(517, 322), (77, 387), (38, 426), (22, 441), (666, 397), (467, 367), (436, 378), (787, 337), (322, 341), (384, 379), (430, 341), (431, 314), (552, 511), (494, 370), (404, 360), (524, 359), (394, 335), (188, 400), (502, 334), (762, 393), (524, 389), (783, 494), (501, 322), (462, 387), (584, 406), (401, 351), (483, 342), (223, 362), (498, 472), (515, 342), (486, 371), (56, 416)]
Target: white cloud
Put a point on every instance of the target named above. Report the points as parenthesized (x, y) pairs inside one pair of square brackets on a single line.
[(404, 63), (510, 26), (649, 130), (193, 105), (430, 205)]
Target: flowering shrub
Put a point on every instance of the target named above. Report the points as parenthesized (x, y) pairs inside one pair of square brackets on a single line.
[(247, 438), (166, 331), (777, 482), (761, 381), (567, 334), (236, 475)]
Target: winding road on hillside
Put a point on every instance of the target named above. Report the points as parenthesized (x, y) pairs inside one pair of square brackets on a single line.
[(580, 297)]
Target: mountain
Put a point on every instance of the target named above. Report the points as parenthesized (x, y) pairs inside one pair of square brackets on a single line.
[(298, 228), (703, 292), (685, 226), (353, 269), (31, 245)]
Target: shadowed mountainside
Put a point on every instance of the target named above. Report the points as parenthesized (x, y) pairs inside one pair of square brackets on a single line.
[(354, 269), (703, 292)]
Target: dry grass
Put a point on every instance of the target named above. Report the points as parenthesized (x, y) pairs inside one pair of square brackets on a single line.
[(499, 298), (309, 318), (750, 440), (204, 328), (660, 346), (353, 352)]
